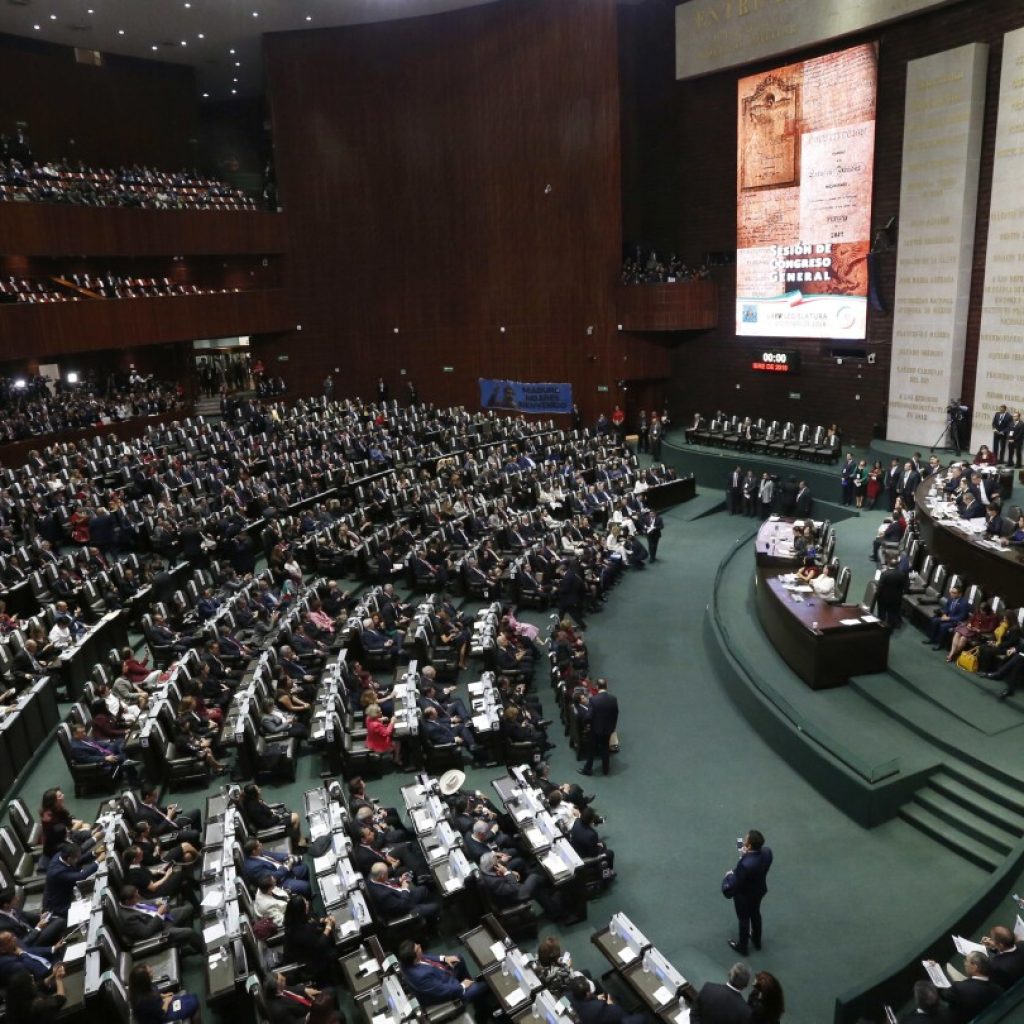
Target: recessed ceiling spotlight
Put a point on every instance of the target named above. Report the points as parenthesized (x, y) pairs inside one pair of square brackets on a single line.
[(200, 35), (187, 6), (120, 31), (309, 17), (234, 92), (154, 47), (53, 17), (90, 11), (206, 95), (231, 51), (255, 14), (234, 80), (238, 63), (37, 27), (184, 43)]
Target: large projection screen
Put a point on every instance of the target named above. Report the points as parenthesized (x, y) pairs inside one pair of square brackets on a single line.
[(805, 151)]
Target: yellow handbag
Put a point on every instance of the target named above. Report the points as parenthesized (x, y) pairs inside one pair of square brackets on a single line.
[(968, 660)]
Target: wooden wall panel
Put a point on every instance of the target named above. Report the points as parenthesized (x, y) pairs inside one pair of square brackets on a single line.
[(683, 198), (57, 328), (42, 229), (127, 112), (692, 306), (447, 176)]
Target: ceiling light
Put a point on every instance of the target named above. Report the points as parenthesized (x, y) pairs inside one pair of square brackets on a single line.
[(238, 63), (154, 47), (90, 11), (234, 92), (231, 51), (120, 31), (37, 27), (234, 79), (206, 95), (183, 43), (255, 14), (53, 17), (200, 35), (309, 17)]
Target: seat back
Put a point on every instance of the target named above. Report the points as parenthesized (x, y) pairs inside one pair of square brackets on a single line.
[(843, 584), (24, 825)]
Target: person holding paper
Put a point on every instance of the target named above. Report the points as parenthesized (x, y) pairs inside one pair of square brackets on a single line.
[(1005, 956), (747, 885), (977, 991)]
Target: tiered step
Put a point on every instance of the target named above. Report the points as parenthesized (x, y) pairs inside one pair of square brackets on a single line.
[(975, 816)]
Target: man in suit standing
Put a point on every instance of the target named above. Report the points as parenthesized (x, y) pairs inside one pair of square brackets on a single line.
[(804, 501), (888, 600), (604, 719), (1002, 423), (748, 884), (735, 492), (909, 480), (724, 1004)]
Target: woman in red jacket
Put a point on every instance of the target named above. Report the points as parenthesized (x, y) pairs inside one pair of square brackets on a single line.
[(380, 734)]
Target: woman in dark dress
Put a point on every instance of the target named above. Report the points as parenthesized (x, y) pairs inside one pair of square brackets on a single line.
[(59, 827), (309, 940), (27, 1005), (151, 1006)]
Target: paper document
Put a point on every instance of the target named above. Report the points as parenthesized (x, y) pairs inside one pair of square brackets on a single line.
[(1018, 929), (498, 950), (850, 622), (662, 996), (76, 951), (627, 955), (213, 900), (349, 927), (481, 723), (452, 884), (868, 618), (935, 974), (368, 967), (964, 946), (214, 932), (515, 997), (683, 1016), (78, 912)]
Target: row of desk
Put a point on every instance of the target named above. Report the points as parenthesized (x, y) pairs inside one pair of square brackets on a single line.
[(997, 570)]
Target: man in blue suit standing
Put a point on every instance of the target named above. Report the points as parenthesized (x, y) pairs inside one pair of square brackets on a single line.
[(747, 885), (438, 979), (604, 719)]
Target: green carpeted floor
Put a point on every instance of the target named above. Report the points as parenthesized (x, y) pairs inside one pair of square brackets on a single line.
[(693, 775)]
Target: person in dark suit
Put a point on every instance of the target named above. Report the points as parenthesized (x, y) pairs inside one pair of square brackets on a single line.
[(63, 873), (604, 719), (28, 928), (1002, 424), (395, 898), (165, 820), (591, 1008), (289, 872), (15, 957), (141, 920), (571, 594), (977, 991), (909, 479), (888, 599), (928, 1007), (1005, 956), (584, 839), (724, 1004), (1016, 438), (748, 885), (804, 501), (507, 888), (439, 979), (951, 612)]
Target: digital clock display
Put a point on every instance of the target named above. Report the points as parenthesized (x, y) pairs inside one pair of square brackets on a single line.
[(776, 361)]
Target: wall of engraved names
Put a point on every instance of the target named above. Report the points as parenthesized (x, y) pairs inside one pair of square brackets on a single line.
[(945, 102)]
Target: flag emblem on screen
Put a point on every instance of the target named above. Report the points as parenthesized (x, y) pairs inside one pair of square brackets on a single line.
[(750, 314)]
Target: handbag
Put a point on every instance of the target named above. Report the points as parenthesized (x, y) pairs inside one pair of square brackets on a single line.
[(968, 660), (729, 885)]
